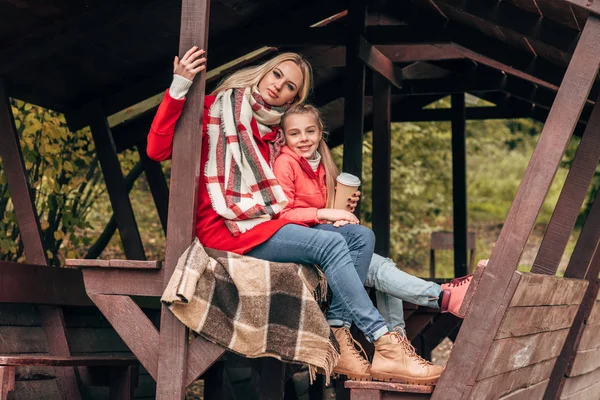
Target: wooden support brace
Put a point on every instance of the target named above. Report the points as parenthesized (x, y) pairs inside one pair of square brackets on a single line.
[(459, 184), (7, 381), (158, 184), (485, 311), (570, 200), (379, 63), (115, 183)]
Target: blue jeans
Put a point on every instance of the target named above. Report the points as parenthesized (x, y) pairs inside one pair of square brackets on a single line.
[(361, 242), (295, 243), (394, 285)]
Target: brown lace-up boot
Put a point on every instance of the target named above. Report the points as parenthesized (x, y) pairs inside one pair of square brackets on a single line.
[(351, 363), (396, 360)]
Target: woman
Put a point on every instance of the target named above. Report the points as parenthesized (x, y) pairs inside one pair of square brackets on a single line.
[(239, 197)]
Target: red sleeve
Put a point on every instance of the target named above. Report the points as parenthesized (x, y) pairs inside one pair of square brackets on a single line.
[(160, 138), (285, 174)]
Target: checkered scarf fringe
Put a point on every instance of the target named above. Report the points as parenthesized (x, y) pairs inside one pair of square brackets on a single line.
[(254, 307), (241, 184)]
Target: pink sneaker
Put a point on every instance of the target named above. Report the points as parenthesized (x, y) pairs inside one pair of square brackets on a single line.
[(454, 294)]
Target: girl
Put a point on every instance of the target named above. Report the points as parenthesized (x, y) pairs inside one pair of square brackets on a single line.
[(239, 197), (307, 172)]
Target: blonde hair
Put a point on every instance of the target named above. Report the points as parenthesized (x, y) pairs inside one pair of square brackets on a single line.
[(251, 76), (331, 171)]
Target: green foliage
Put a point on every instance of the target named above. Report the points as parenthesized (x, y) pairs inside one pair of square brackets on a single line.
[(64, 176)]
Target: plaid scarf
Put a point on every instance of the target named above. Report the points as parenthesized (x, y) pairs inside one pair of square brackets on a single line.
[(241, 184), (254, 307)]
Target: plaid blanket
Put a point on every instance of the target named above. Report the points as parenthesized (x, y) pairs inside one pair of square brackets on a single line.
[(241, 184), (254, 307)]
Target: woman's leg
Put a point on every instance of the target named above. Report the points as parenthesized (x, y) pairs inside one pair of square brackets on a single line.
[(361, 242), (393, 286), (295, 243)]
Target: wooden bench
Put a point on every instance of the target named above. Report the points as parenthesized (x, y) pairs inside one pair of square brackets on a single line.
[(122, 371), (99, 363), (384, 390)]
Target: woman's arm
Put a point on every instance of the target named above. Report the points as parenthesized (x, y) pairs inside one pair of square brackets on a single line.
[(160, 138)]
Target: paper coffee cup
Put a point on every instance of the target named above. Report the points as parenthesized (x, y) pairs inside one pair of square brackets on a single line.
[(347, 184)]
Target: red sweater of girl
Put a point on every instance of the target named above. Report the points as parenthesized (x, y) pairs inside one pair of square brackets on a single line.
[(210, 226)]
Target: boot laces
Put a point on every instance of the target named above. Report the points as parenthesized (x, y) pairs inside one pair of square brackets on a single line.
[(412, 352), (356, 347), (460, 281)]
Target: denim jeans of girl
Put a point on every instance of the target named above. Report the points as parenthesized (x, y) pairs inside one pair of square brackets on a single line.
[(394, 286), (301, 244), (361, 243)]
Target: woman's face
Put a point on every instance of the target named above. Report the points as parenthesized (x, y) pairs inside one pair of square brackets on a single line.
[(280, 85), (302, 134)]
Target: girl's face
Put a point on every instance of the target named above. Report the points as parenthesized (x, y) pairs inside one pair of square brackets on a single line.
[(302, 134), (280, 85)]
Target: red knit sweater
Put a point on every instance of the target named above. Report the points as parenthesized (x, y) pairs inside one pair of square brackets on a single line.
[(210, 226)]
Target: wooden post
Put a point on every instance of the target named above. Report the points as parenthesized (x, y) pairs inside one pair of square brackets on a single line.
[(115, 183), (157, 182), (29, 228), (355, 91), (382, 140), (459, 184), (16, 176), (571, 198), (173, 350), (485, 312)]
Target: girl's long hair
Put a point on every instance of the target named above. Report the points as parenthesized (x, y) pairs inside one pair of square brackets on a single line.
[(251, 76), (331, 171)]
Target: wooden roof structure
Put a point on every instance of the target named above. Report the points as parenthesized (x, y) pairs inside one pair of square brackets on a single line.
[(374, 63)]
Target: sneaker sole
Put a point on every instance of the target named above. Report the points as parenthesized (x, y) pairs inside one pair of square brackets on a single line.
[(407, 380)]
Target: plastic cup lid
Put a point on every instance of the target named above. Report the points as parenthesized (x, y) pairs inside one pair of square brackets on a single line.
[(348, 179)]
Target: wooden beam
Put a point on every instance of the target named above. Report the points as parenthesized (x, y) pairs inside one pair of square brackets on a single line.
[(18, 186), (354, 91), (510, 17), (571, 198), (472, 113), (484, 313), (382, 159), (185, 167), (379, 63), (459, 184), (115, 183), (157, 182), (588, 5)]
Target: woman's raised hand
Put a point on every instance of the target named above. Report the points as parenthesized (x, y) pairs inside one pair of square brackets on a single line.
[(334, 215), (190, 64)]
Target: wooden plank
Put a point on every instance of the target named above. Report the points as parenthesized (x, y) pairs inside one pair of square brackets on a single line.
[(502, 384), (7, 381), (594, 318), (185, 169), (416, 323), (379, 62), (388, 386), (129, 264), (18, 186), (541, 290), (68, 361), (588, 5), (381, 161), (136, 330), (521, 321), (585, 361), (354, 91), (115, 183), (157, 183), (586, 243), (533, 392), (570, 200), (590, 338), (34, 284), (201, 355), (578, 383), (590, 393), (514, 353), (459, 184), (121, 281)]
